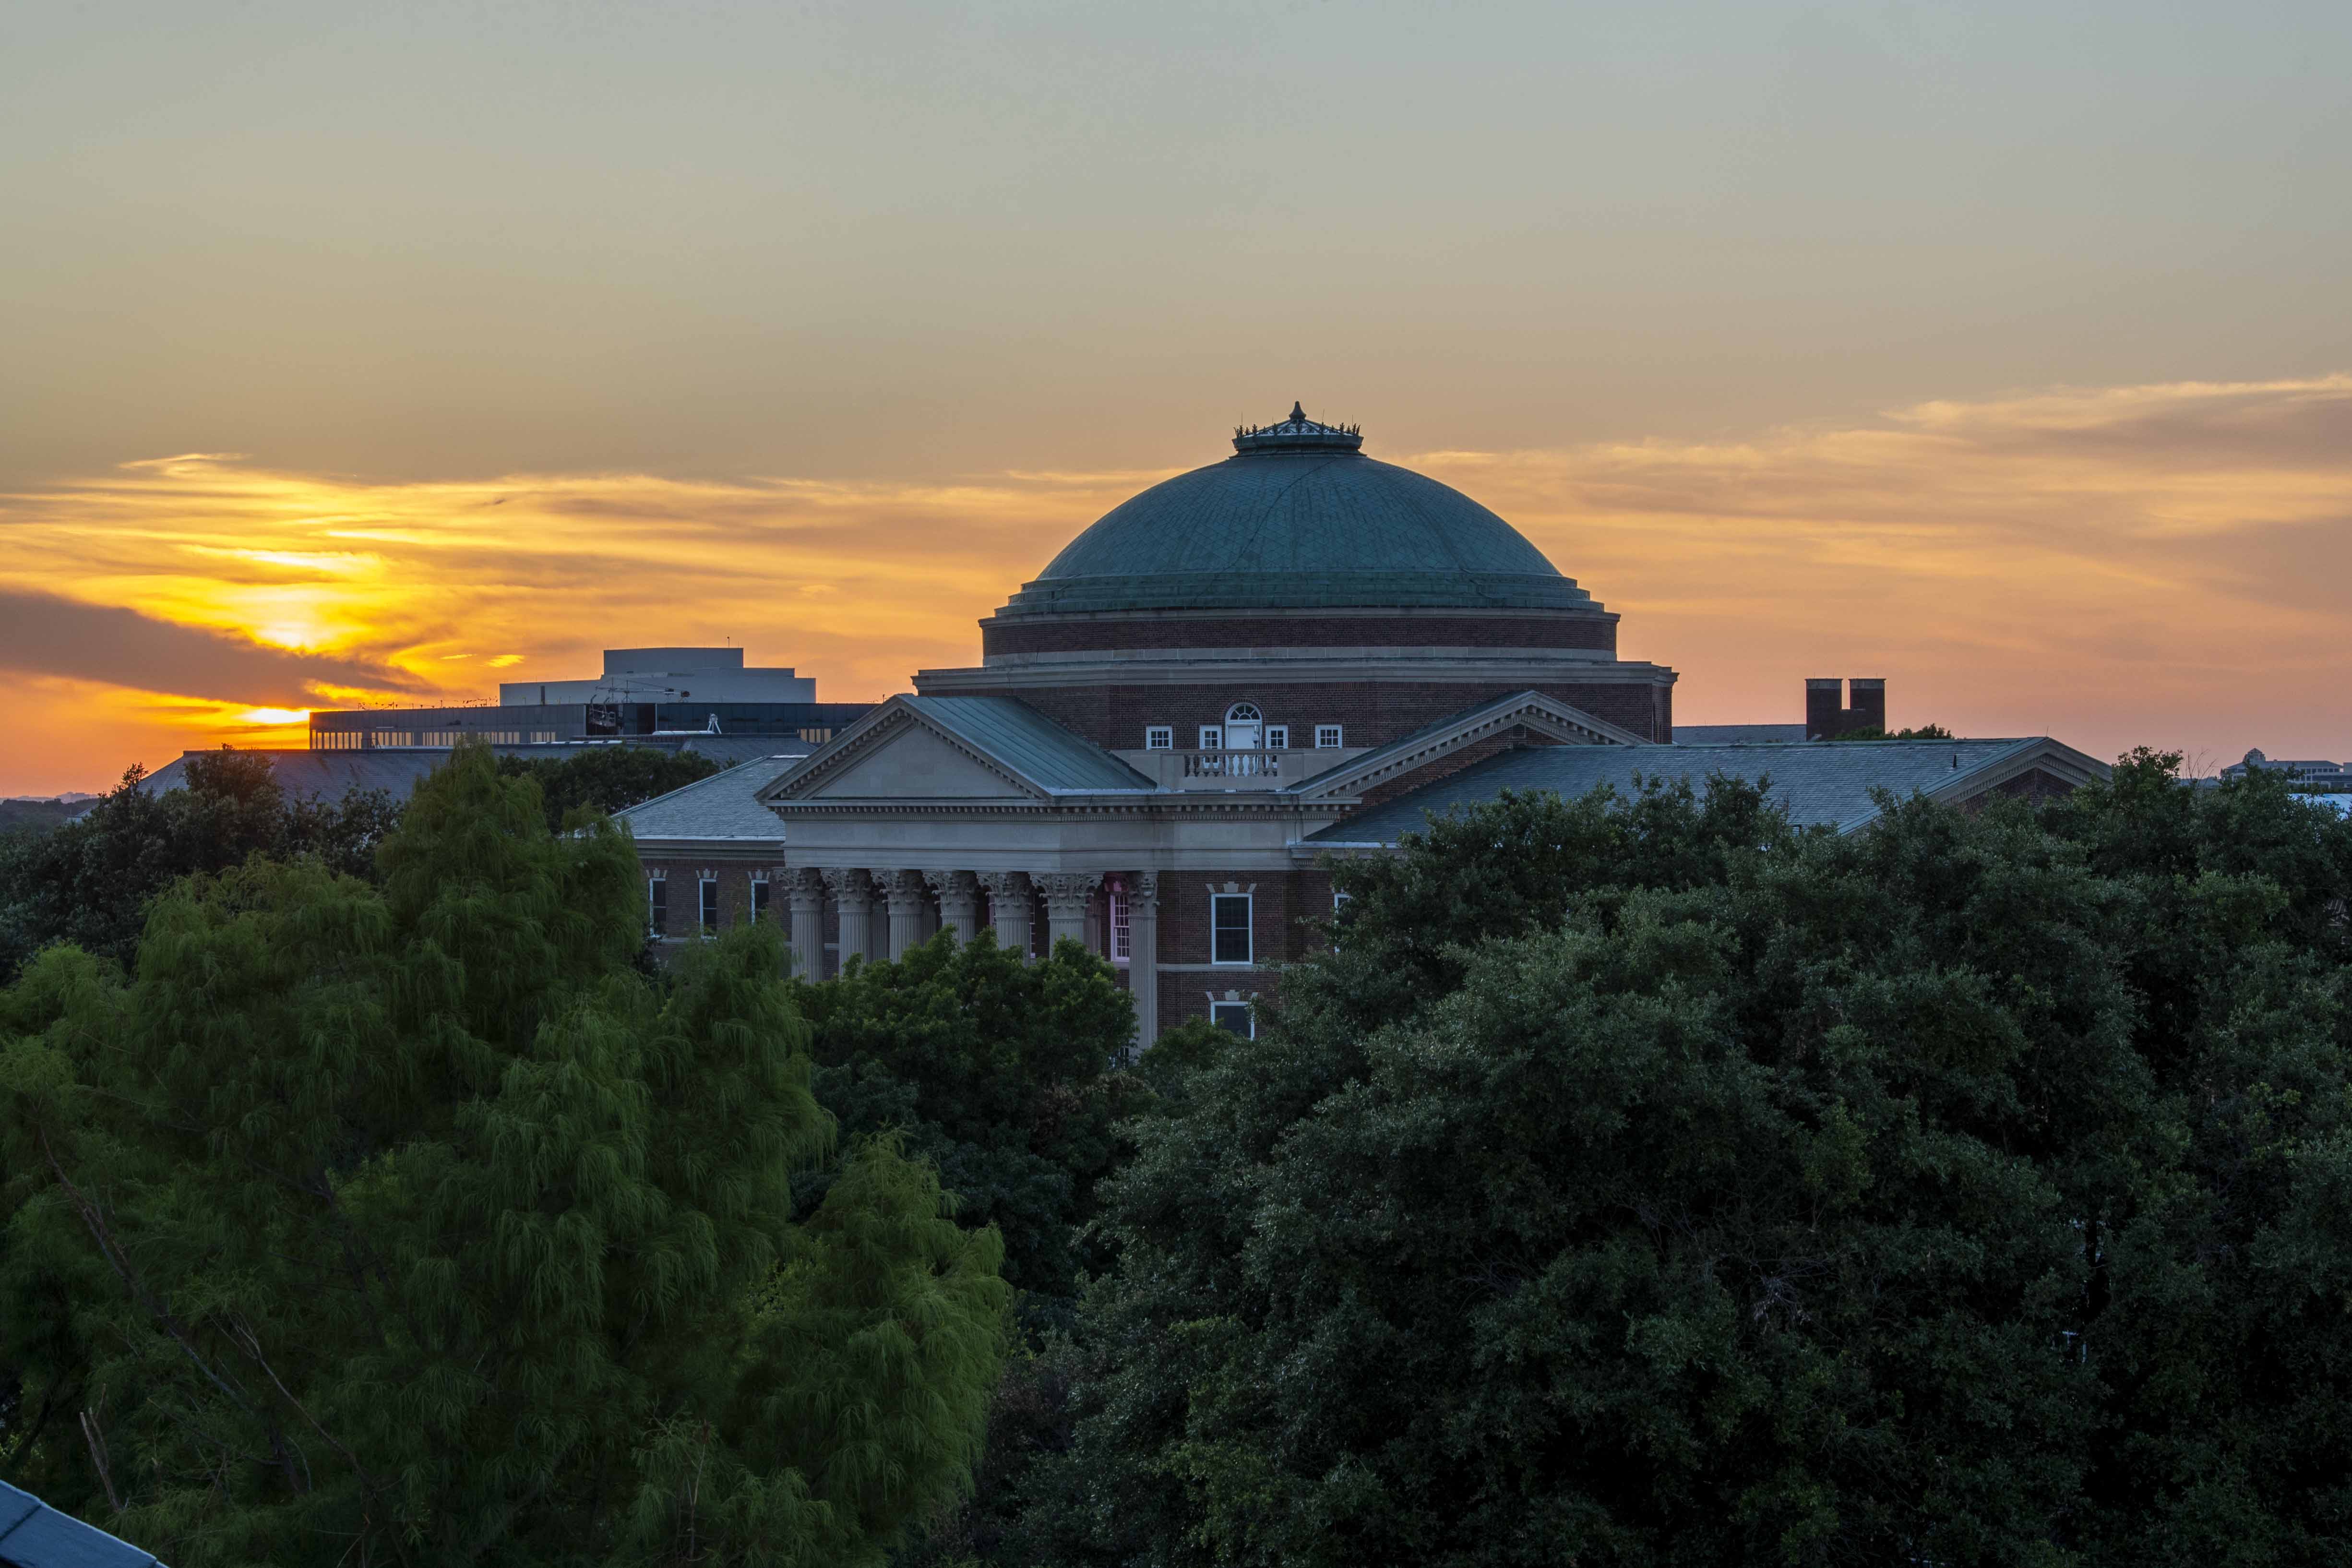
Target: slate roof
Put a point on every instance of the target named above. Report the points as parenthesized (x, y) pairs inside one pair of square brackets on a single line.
[(1738, 734), (1030, 744), (324, 775), (723, 808), (729, 750), (1361, 767), (35, 1535), (1823, 784), (1284, 528)]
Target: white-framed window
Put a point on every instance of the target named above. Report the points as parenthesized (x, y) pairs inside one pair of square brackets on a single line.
[(1340, 898), (1121, 937), (1277, 737), (1158, 737), (1212, 737), (709, 905), (1234, 1015), (758, 896), (658, 903), (1244, 727), (1229, 928), (1326, 737)]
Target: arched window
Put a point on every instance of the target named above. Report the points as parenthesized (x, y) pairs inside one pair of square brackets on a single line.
[(1244, 727)]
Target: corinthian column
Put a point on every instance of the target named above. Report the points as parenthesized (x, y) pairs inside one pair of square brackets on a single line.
[(852, 895), (1143, 953), (804, 894), (1069, 896), (1012, 906), (959, 896), (909, 903)]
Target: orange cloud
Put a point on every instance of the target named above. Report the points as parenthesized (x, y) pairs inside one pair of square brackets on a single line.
[(2159, 563)]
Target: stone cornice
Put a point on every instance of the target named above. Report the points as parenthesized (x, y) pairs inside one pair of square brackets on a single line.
[(1292, 667)]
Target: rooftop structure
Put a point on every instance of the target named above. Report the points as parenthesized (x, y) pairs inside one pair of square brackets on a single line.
[(666, 675), (35, 1535)]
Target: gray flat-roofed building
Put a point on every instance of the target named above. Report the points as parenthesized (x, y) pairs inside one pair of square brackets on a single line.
[(644, 693), (666, 675)]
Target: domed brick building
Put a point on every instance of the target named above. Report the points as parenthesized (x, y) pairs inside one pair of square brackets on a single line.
[(1236, 674)]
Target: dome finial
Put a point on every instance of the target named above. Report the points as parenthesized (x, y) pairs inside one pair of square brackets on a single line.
[(1296, 433)]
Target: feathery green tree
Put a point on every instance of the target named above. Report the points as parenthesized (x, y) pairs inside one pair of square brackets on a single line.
[(89, 881), (410, 1224)]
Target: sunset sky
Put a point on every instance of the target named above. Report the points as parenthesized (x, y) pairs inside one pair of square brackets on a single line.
[(375, 353)]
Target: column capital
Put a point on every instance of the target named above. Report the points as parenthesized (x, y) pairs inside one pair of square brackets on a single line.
[(1067, 893), (951, 884), (1142, 891), (804, 882), (1005, 884), (903, 886), (852, 887)]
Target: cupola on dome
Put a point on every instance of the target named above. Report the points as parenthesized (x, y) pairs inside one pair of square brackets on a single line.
[(1298, 518)]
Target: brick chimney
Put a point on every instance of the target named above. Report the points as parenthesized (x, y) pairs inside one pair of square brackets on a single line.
[(1825, 708), (1827, 716), (1866, 708)]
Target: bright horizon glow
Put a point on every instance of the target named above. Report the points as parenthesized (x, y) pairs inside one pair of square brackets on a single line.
[(2048, 563)]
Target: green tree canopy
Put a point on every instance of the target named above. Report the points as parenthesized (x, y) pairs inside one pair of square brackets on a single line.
[(409, 1223), (999, 1071), (1639, 1180), (89, 881), (601, 780)]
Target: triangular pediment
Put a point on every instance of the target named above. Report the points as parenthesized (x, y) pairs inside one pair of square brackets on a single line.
[(916, 765), (1528, 714), (897, 754)]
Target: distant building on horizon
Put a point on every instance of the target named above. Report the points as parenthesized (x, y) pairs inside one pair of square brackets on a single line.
[(650, 694)]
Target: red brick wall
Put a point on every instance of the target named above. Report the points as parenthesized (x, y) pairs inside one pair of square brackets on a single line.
[(1589, 629), (1371, 713), (734, 894)]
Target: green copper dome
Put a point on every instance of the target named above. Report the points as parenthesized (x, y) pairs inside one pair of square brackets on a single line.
[(1299, 518)]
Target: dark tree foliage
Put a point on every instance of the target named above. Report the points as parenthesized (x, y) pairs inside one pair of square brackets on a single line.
[(1639, 1180), (1873, 732), (38, 815), (601, 780), (409, 1223), (999, 1072), (89, 881)]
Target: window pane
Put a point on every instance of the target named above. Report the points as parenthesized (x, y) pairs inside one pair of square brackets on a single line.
[(759, 902), (658, 905), (1233, 1016), (1229, 922), (709, 905)]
